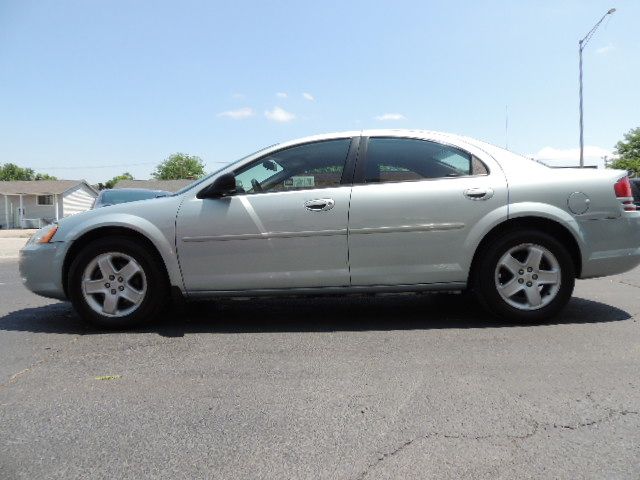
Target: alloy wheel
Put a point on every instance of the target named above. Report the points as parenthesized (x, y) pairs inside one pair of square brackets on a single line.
[(114, 284), (528, 276)]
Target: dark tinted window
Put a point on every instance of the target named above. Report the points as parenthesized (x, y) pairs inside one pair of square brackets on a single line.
[(405, 159), (313, 165), (45, 200), (635, 189)]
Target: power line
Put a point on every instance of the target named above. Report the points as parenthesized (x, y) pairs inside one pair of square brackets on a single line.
[(105, 166)]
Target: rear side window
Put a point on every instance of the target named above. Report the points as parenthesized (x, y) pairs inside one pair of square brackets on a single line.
[(406, 159)]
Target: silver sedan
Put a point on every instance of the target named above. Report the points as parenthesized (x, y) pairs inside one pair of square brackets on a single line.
[(354, 212)]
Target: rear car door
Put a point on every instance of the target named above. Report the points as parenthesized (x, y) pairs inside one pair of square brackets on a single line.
[(413, 205), (285, 228)]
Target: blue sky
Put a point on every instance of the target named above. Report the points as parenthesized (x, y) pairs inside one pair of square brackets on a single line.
[(89, 89)]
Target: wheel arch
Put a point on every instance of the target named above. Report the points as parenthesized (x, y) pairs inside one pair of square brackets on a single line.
[(105, 231), (547, 225)]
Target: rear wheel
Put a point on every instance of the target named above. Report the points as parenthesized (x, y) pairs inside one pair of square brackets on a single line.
[(524, 276), (115, 283)]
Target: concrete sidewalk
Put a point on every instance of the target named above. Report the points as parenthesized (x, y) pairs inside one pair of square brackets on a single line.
[(11, 241), (17, 232), (9, 247)]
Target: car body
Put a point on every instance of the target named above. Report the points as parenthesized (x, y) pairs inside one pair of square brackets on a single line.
[(116, 196), (352, 212)]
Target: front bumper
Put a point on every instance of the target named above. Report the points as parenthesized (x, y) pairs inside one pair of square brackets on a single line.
[(40, 267)]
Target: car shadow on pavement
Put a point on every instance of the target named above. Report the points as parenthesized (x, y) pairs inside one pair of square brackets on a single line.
[(321, 314)]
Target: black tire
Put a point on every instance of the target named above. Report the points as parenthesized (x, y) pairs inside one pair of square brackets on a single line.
[(484, 281), (157, 285)]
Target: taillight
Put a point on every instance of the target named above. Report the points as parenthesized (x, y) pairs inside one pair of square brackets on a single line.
[(623, 192)]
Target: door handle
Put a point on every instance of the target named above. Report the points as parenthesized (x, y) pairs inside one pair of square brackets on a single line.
[(319, 205), (478, 193)]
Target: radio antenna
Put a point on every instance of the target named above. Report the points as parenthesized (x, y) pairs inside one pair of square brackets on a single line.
[(506, 127)]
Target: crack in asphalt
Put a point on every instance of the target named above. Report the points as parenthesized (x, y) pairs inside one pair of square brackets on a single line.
[(629, 284), (612, 413), (383, 456), (537, 426)]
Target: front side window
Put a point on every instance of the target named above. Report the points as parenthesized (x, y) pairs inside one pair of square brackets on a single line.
[(406, 159), (313, 165), (45, 199)]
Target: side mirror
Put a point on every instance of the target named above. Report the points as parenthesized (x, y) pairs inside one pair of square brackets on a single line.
[(222, 186)]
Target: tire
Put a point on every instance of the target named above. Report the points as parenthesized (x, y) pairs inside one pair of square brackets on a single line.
[(117, 283), (506, 278)]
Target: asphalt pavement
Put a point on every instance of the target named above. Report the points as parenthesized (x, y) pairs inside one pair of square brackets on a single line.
[(387, 387)]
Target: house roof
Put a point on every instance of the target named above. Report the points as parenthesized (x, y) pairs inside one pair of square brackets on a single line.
[(39, 187), (167, 185)]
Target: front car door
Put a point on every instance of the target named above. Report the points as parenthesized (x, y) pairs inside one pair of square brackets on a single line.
[(286, 227), (414, 205)]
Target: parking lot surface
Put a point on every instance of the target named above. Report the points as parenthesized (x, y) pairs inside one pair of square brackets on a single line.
[(398, 387)]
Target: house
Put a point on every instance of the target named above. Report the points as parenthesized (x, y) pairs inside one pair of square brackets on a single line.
[(166, 185), (32, 204)]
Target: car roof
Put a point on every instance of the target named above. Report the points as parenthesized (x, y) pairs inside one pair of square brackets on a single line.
[(445, 137), (389, 132)]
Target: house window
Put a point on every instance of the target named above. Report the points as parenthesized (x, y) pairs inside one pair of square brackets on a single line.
[(45, 199)]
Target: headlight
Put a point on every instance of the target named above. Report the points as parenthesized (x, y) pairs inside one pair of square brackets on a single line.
[(44, 235)]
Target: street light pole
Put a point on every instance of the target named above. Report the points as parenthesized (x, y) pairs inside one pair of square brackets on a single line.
[(581, 44)]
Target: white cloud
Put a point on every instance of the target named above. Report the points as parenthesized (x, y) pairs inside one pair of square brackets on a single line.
[(606, 49), (281, 95), (308, 96), (239, 96), (279, 115), (390, 117), (238, 114), (565, 157)]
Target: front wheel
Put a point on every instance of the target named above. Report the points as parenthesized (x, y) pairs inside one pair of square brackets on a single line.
[(115, 283), (524, 276)]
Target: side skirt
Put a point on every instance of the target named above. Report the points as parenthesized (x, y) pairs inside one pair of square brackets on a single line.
[(347, 290)]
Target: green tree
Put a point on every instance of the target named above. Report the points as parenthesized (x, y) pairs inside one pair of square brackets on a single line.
[(180, 166), (628, 151), (11, 171), (44, 176), (111, 183)]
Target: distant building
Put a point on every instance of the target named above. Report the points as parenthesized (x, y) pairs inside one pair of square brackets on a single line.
[(166, 185), (32, 204)]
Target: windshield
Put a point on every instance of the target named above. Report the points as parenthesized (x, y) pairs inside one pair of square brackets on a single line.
[(113, 197), (207, 177)]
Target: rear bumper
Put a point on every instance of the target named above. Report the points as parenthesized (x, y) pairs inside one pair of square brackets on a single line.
[(615, 246), (41, 269), (611, 262)]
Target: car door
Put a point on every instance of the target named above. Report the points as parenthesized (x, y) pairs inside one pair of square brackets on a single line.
[(286, 227), (413, 205)]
